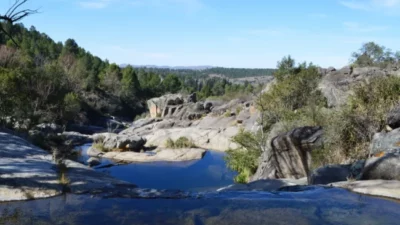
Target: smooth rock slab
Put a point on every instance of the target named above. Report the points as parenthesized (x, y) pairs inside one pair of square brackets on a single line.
[(26, 171), (383, 188), (170, 155)]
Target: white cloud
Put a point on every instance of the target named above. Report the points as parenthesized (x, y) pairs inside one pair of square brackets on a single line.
[(356, 5), (386, 3), (353, 26), (387, 6)]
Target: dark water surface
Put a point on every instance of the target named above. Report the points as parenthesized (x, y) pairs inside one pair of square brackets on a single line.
[(209, 173), (321, 206)]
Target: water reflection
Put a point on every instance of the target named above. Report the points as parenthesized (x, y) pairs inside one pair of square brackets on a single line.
[(320, 206), (208, 173)]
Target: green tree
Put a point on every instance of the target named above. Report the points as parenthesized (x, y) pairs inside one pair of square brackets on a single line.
[(70, 47), (130, 82), (172, 83), (285, 67)]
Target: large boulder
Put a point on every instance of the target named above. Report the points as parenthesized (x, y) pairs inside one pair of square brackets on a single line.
[(93, 161), (385, 142), (337, 85), (192, 98), (124, 142), (288, 154), (330, 174), (157, 105), (382, 168)]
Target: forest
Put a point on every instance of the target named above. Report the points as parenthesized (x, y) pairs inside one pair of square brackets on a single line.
[(46, 81)]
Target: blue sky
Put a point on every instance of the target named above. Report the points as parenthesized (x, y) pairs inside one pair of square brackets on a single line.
[(229, 33)]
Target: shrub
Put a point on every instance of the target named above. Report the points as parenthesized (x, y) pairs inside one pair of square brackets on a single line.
[(169, 143), (244, 159), (182, 142), (227, 113), (349, 131), (99, 146)]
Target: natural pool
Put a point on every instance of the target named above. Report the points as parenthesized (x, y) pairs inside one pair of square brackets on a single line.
[(316, 206), (207, 174)]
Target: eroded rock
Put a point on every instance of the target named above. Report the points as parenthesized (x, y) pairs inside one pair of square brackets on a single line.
[(288, 154)]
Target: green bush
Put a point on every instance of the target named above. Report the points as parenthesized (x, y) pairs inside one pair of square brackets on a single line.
[(244, 159), (349, 131), (169, 143), (182, 142), (291, 96)]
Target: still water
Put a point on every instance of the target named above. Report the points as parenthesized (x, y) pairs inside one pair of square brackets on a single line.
[(320, 206), (315, 206), (207, 174)]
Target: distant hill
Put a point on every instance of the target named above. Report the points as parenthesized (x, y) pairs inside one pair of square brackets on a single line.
[(171, 67), (206, 71)]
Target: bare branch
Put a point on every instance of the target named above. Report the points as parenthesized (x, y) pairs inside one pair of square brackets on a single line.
[(13, 15)]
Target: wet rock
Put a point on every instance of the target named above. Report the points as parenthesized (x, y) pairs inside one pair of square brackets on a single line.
[(330, 174), (92, 161), (259, 185), (383, 188)]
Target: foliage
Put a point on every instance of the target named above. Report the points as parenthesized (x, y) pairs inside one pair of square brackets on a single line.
[(182, 142), (203, 73), (172, 83), (99, 146), (349, 131), (72, 105), (372, 54), (292, 97), (244, 159)]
